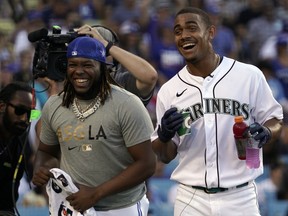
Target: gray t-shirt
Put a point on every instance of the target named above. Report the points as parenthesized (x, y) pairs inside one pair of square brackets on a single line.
[(94, 151)]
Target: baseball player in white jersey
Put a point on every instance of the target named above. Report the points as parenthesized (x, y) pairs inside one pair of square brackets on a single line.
[(213, 90)]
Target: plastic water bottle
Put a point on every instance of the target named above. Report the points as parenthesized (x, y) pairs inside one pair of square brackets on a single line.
[(241, 140), (252, 153)]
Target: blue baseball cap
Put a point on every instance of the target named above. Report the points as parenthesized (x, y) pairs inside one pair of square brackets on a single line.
[(87, 47)]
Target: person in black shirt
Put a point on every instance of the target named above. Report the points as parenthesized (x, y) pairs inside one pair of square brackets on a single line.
[(15, 110)]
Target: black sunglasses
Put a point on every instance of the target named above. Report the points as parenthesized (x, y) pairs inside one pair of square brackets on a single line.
[(20, 110)]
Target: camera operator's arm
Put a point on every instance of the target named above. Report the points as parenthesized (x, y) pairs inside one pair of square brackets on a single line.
[(55, 87), (146, 76)]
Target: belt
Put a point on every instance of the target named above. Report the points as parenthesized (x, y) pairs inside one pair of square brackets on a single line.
[(218, 189)]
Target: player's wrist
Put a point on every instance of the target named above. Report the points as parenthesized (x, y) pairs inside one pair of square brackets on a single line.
[(164, 136)]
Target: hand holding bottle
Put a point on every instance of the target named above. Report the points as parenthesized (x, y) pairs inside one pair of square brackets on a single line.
[(260, 133), (170, 124)]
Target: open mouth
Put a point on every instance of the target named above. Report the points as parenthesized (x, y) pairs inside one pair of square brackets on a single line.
[(188, 46), (81, 81)]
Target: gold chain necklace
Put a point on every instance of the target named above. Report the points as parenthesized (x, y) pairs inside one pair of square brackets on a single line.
[(89, 110)]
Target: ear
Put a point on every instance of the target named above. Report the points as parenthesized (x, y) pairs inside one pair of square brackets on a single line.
[(212, 32)]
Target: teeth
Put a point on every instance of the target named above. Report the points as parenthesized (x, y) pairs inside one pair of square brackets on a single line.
[(189, 44), (81, 80)]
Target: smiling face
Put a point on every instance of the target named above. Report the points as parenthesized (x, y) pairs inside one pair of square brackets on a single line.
[(193, 36), (84, 74)]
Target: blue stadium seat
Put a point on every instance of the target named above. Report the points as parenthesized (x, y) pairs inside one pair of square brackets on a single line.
[(265, 175), (277, 208), (160, 187), (161, 209), (33, 211), (169, 168)]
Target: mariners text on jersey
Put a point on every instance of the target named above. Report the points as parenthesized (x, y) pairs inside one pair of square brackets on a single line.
[(218, 106)]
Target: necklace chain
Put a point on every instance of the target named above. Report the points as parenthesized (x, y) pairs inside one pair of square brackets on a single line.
[(89, 110)]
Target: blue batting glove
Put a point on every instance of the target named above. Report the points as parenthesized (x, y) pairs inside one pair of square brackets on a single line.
[(170, 124), (260, 133)]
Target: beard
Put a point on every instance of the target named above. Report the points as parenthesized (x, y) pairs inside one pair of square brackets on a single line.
[(92, 92), (15, 128)]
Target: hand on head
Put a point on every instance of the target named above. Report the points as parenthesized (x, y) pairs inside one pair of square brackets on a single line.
[(93, 32)]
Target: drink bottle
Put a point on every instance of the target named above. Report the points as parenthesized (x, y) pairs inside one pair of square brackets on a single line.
[(241, 139), (252, 153)]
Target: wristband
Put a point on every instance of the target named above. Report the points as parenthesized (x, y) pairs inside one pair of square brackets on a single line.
[(109, 45)]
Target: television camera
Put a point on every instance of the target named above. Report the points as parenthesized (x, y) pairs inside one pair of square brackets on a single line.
[(50, 52)]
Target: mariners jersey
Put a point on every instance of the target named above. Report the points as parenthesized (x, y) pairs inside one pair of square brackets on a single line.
[(58, 188), (208, 155)]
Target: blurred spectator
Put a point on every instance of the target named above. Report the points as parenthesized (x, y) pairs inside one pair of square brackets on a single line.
[(88, 9), (242, 44), (268, 49), (162, 14), (31, 23), (282, 193), (282, 9), (280, 62), (272, 152), (6, 58), (251, 11), (277, 89), (18, 9), (128, 10), (55, 13), (160, 39), (268, 187), (224, 40), (164, 54), (73, 20), (261, 28), (24, 66), (24, 74), (230, 11), (6, 75), (130, 37)]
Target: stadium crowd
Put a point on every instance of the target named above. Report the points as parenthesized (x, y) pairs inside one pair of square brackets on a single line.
[(252, 31)]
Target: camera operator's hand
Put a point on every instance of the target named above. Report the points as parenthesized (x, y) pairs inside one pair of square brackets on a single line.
[(260, 133), (170, 124), (54, 87), (93, 32)]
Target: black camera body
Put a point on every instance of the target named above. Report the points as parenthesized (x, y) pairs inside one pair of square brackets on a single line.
[(50, 53)]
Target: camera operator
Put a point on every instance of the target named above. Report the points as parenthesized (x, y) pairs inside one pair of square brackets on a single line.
[(50, 61), (140, 77)]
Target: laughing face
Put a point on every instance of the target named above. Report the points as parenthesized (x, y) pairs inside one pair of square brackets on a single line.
[(193, 36), (84, 75)]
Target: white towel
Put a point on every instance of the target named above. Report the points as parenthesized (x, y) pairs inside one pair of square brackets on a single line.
[(58, 189)]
